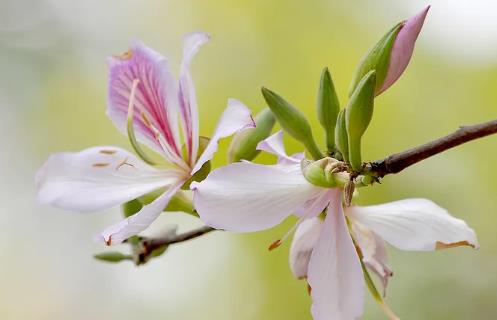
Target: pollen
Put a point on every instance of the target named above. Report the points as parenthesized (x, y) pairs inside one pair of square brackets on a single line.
[(275, 245), (125, 56), (100, 165), (109, 152), (440, 245)]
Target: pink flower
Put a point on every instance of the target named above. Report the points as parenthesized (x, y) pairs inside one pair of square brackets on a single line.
[(143, 91), (245, 197)]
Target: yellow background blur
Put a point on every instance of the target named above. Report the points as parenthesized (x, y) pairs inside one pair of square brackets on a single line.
[(53, 80)]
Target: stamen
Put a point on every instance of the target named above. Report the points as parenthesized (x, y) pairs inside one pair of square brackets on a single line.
[(124, 163), (275, 245), (109, 152), (130, 126), (100, 165)]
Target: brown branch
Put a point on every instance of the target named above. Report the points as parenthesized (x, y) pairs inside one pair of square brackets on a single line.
[(399, 161), (151, 244)]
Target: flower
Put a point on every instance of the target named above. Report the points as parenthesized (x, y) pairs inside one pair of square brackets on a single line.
[(245, 197), (103, 177)]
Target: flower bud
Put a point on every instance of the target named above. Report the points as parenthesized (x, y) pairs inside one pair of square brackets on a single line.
[(358, 116), (292, 121), (328, 108), (243, 146), (113, 257), (391, 55), (341, 139)]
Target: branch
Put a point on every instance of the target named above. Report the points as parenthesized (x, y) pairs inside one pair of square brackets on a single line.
[(399, 161), (149, 245)]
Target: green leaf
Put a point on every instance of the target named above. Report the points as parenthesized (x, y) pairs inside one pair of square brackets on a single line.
[(358, 116), (292, 121), (131, 207), (328, 108), (112, 257), (244, 144)]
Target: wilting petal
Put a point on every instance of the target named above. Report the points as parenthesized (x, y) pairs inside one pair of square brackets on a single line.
[(246, 197), (415, 224), (373, 251), (235, 117), (335, 272), (403, 48), (156, 101), (187, 97), (140, 221), (97, 178), (303, 243), (274, 145)]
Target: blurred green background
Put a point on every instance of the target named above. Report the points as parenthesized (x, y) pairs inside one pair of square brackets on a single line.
[(53, 80)]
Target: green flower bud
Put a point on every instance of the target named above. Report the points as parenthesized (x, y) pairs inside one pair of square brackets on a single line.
[(113, 257), (358, 116), (243, 146), (328, 108), (377, 59), (292, 121), (341, 138), (131, 207)]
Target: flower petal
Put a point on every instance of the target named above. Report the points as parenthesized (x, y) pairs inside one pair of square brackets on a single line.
[(403, 48), (415, 224), (97, 178), (316, 204), (245, 197), (335, 272), (140, 221), (303, 243), (186, 95), (235, 117), (374, 252), (155, 99), (274, 145)]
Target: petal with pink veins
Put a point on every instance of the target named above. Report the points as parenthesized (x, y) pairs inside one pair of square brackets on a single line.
[(140, 221), (98, 178), (235, 117), (156, 104), (245, 197), (186, 95), (274, 145), (415, 224), (335, 273), (403, 48)]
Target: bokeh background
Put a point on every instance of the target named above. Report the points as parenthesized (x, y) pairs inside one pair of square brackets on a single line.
[(53, 80)]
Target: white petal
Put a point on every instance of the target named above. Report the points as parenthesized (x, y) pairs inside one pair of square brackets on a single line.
[(235, 117), (187, 97), (274, 145), (140, 221), (305, 238), (316, 205), (97, 178), (246, 197), (415, 224), (374, 252), (335, 272)]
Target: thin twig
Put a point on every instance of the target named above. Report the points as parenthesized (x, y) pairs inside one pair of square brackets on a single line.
[(156, 243), (399, 161)]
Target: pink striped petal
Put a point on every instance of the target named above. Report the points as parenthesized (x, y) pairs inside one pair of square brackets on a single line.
[(155, 99), (335, 273), (140, 221), (187, 97), (235, 117), (403, 48)]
